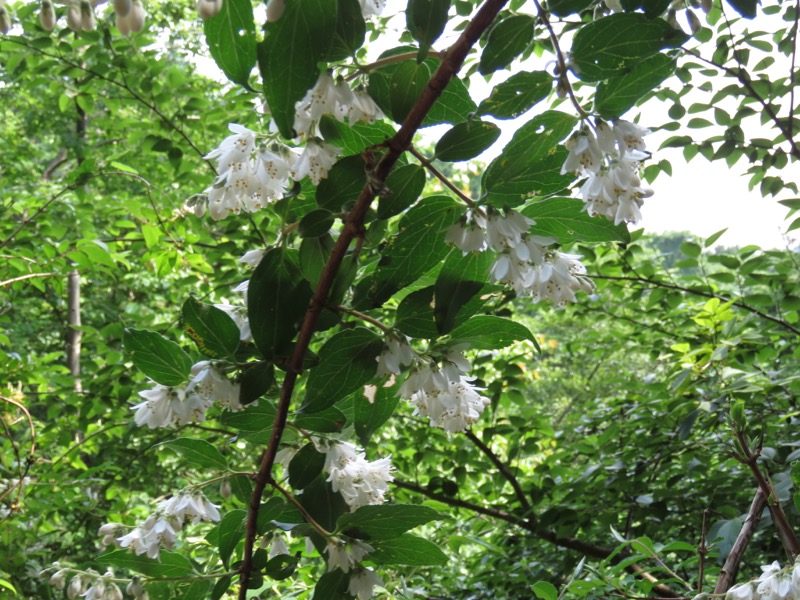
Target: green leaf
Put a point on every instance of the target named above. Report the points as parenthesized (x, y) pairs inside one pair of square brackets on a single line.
[(253, 419), (212, 329), (221, 587), (231, 38), (404, 186), (466, 140), (329, 420), (347, 362), (563, 8), (614, 45), (353, 139), (314, 253), (231, 532), (746, 8), (616, 95), (323, 504), (506, 40), (426, 20), (418, 245), (490, 333), (199, 452), (196, 590), (517, 94), (530, 165), (350, 31), (415, 316), (277, 299), (281, 566), (169, 564), (343, 185), (316, 223), (545, 590), (369, 416), (387, 521), (714, 237), (255, 382), (162, 360), (408, 81), (288, 56), (407, 550), (332, 586), (566, 221), (459, 281), (305, 466)]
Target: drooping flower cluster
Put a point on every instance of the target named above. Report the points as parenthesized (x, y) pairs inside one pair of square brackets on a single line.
[(397, 353), (160, 529), (90, 585), (166, 406), (525, 261), (443, 394), (608, 157), (129, 15), (774, 583), (329, 97), (359, 481)]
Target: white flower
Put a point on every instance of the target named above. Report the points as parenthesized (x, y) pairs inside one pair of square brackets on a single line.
[(47, 16), (467, 235), (630, 138), (606, 138), (166, 406), (157, 531), (76, 587), (74, 16), (136, 589), (774, 584), (359, 481), (372, 7), (208, 384), (742, 591), (102, 589), (344, 555), (109, 531), (452, 408), (319, 100), (796, 580), (505, 230), (585, 155), (613, 5), (189, 506), (396, 354), (253, 257), (87, 16), (315, 161), (208, 8), (616, 192), (362, 582), (277, 547), (58, 579), (363, 107), (133, 21)]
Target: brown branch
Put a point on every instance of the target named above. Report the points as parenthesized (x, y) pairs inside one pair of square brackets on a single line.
[(354, 228), (586, 548), (785, 532), (731, 566), (504, 471), (671, 286), (440, 176)]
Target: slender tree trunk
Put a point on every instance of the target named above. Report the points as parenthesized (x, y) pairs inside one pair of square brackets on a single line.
[(73, 322)]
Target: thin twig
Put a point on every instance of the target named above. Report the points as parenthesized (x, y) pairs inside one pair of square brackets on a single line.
[(24, 277), (363, 317), (353, 229), (440, 176)]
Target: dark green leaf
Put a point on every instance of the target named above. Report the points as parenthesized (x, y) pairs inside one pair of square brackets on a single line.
[(490, 333), (370, 415), (255, 382), (615, 44), (332, 586), (323, 504), (353, 139), (415, 316), (407, 550), (615, 96), (314, 253), (347, 362), (277, 299), (212, 329), (329, 420), (408, 81), (459, 281), (418, 245), (305, 466), (196, 590), (506, 40), (426, 20), (221, 587), (545, 590), (162, 360), (343, 185), (231, 532), (566, 221), (199, 452), (316, 223), (530, 165), (563, 8), (651, 8), (746, 8), (387, 521), (169, 564), (517, 94), (281, 566), (350, 31), (404, 186), (231, 37), (288, 56), (242, 488), (466, 140), (253, 419)]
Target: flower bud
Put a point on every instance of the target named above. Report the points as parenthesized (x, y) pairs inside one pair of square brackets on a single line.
[(74, 16), (87, 16), (275, 10), (5, 20), (58, 580), (225, 488), (122, 7), (47, 16), (208, 8), (136, 17)]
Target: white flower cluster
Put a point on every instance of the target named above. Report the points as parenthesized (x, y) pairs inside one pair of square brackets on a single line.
[(129, 15), (524, 261), (160, 529), (166, 406), (773, 584), (90, 585), (329, 97), (345, 554), (443, 394), (362, 582), (359, 481), (609, 159), (397, 353), (249, 176)]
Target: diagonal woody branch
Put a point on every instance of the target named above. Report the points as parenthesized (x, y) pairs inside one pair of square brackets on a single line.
[(353, 228)]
